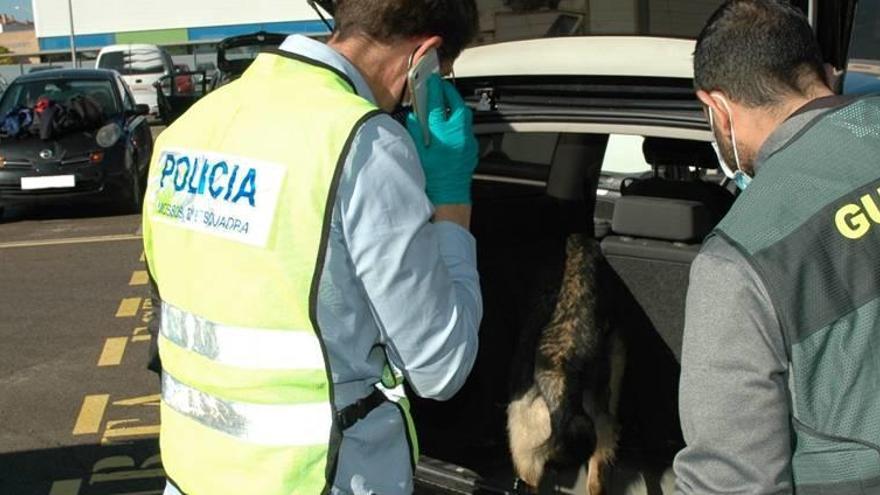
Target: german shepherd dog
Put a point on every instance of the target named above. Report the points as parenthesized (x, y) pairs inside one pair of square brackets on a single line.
[(564, 414)]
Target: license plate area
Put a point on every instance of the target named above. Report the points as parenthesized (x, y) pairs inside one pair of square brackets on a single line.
[(48, 182)]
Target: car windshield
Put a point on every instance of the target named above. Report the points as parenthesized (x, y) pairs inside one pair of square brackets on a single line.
[(133, 62), (25, 94)]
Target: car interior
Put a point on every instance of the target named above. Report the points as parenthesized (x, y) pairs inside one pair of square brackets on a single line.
[(26, 94), (650, 201)]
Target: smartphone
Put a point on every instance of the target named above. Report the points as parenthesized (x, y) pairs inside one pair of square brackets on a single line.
[(417, 79)]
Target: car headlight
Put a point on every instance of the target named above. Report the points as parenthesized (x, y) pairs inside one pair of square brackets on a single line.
[(108, 135)]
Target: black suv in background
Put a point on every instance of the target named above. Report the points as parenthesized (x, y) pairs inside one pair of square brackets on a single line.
[(234, 56)]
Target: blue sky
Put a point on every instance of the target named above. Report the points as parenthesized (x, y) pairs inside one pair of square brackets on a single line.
[(21, 9)]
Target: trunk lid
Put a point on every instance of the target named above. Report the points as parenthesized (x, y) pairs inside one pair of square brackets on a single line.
[(235, 54), (620, 79)]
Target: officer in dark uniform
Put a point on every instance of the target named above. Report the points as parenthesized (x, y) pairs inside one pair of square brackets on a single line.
[(780, 387)]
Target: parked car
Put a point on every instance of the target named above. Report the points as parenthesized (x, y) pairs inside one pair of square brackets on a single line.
[(183, 81), (39, 68), (103, 160), (176, 93), (562, 124), (235, 54), (141, 66), (566, 127), (210, 71)]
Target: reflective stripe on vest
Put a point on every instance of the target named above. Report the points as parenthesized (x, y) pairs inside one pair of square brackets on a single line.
[(252, 348), (271, 425), (236, 219)]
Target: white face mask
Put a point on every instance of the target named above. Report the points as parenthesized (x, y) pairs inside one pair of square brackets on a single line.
[(740, 178)]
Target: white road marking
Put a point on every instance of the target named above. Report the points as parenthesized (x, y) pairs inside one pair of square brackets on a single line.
[(71, 240)]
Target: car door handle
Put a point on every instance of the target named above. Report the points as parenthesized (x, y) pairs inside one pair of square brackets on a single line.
[(138, 81)]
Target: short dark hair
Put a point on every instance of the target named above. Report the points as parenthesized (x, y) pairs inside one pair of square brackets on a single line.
[(757, 52), (456, 21)]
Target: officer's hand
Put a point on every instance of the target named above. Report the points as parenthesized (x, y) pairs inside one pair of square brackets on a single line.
[(451, 158)]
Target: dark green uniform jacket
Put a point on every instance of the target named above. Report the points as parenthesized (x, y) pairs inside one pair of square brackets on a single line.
[(805, 293)]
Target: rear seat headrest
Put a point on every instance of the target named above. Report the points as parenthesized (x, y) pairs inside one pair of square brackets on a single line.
[(676, 220), (679, 153)]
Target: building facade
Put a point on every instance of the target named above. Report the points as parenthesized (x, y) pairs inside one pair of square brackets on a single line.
[(97, 23)]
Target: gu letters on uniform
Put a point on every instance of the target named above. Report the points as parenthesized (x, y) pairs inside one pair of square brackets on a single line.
[(853, 221), (228, 196)]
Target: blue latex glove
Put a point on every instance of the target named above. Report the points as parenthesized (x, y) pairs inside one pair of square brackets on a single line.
[(451, 158)]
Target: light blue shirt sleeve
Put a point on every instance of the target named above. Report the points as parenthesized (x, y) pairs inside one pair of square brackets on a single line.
[(420, 277)]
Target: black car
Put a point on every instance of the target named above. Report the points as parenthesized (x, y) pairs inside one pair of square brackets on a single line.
[(106, 158), (234, 55)]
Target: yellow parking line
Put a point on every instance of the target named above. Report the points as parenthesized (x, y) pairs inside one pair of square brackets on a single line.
[(145, 400), (128, 307), (143, 257), (91, 414), (141, 334), (114, 348), (65, 487), (115, 429), (139, 277)]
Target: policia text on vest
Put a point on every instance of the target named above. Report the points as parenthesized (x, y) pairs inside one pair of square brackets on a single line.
[(218, 194)]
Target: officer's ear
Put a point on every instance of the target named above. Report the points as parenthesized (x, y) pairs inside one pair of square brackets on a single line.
[(433, 42), (720, 112)]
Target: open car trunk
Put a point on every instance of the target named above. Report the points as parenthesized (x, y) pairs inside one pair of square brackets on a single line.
[(521, 244), (548, 170), (556, 153)]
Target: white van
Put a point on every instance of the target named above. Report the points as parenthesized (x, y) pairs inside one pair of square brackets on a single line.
[(141, 66)]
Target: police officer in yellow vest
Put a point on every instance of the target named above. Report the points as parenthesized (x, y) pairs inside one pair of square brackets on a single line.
[(780, 385), (311, 256)]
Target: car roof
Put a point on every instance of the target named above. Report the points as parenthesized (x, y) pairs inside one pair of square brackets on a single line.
[(126, 47), (627, 56), (67, 74)]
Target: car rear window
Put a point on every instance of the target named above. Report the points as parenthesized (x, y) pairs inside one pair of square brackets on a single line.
[(133, 62), (535, 148), (60, 90), (624, 155), (246, 52)]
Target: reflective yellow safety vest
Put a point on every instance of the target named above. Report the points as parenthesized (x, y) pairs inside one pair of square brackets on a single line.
[(236, 220)]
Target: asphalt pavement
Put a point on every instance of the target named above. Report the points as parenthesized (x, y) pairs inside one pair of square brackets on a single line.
[(79, 411)]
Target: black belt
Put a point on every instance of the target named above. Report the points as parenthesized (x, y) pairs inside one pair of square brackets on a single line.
[(348, 416)]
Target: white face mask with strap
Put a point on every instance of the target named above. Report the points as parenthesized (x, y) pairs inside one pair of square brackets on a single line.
[(740, 178)]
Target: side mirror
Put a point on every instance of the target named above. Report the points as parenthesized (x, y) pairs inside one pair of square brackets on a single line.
[(141, 109)]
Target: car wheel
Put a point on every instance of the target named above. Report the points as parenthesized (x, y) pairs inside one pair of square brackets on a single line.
[(131, 200)]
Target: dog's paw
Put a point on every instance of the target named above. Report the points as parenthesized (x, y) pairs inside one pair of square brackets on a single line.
[(528, 427)]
